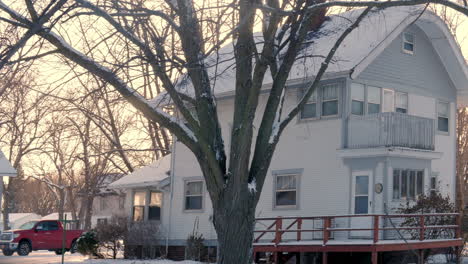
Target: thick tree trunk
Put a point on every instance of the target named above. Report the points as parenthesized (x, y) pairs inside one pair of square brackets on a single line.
[(234, 223), (88, 212)]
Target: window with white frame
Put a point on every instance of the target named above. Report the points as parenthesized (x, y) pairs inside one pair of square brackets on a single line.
[(330, 94), (310, 108), (324, 102), (154, 206), (407, 184), (286, 190), (408, 43), (139, 201), (102, 203), (357, 98), (373, 99), (193, 195), (121, 201), (443, 114), (401, 102)]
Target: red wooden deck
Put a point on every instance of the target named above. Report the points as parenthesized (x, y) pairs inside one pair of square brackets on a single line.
[(293, 237)]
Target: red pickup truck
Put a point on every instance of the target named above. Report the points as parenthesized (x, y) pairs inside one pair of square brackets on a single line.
[(38, 235)]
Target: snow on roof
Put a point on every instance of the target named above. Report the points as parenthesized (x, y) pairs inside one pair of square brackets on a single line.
[(153, 174), (55, 216), (5, 167), (374, 33), (12, 217)]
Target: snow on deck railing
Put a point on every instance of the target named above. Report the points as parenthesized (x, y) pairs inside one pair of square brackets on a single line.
[(372, 226)]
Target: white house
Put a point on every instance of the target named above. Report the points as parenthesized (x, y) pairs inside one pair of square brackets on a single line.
[(15, 220), (378, 132)]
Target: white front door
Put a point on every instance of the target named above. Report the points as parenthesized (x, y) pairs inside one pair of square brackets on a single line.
[(361, 203)]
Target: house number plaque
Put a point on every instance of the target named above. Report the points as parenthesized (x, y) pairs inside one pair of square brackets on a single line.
[(378, 187)]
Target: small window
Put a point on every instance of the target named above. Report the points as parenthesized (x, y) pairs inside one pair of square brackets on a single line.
[(330, 100), (286, 190), (122, 202), (102, 203), (373, 99), (408, 43), (310, 108), (357, 99), (194, 195), (407, 184), (101, 221), (154, 208), (443, 114), (433, 186), (401, 103), (139, 200)]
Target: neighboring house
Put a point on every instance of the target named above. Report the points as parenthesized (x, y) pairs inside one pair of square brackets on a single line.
[(107, 202), (378, 132), (144, 188), (17, 219), (55, 216)]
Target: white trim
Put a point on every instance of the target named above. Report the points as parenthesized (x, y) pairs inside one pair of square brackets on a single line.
[(388, 152)]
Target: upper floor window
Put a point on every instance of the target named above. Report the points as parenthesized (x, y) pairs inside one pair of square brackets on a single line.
[(193, 195), (330, 100), (357, 99), (373, 99), (401, 102), (286, 190), (365, 99), (408, 43), (310, 108), (324, 102), (139, 201), (407, 184), (443, 114), (102, 203)]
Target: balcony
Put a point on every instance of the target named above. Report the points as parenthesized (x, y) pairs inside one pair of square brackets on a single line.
[(390, 130)]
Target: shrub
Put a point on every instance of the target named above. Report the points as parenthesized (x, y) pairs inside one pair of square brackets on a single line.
[(427, 204), (111, 235), (87, 244), (195, 247), (143, 240)]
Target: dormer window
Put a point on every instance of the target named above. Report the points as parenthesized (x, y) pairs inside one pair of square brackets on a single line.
[(408, 43)]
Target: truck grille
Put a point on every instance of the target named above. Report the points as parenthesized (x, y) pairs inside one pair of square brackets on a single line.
[(5, 236)]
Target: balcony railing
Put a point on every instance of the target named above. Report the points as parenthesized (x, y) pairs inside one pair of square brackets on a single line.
[(391, 130)]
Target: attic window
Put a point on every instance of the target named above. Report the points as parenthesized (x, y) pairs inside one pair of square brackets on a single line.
[(408, 43)]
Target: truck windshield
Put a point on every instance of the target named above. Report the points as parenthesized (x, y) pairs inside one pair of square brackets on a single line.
[(28, 225)]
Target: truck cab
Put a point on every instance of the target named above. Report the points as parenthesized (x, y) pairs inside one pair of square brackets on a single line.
[(39, 235)]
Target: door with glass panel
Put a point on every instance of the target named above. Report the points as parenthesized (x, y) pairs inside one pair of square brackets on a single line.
[(361, 203)]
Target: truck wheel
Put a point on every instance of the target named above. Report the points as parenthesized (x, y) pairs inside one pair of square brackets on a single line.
[(23, 248), (74, 247), (58, 252), (7, 252)]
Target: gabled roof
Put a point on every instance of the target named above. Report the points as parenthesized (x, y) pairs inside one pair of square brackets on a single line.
[(5, 167), (357, 51), (155, 174)]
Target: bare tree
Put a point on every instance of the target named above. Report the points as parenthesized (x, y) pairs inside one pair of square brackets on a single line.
[(182, 38), (22, 114)]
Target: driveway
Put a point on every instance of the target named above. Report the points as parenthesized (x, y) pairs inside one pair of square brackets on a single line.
[(41, 257)]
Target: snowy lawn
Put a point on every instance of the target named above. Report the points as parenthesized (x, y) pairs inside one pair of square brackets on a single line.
[(129, 261)]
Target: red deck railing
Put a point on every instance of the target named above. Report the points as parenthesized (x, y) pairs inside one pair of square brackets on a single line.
[(296, 226)]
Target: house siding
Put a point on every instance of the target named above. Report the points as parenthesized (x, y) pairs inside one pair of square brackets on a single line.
[(311, 147)]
